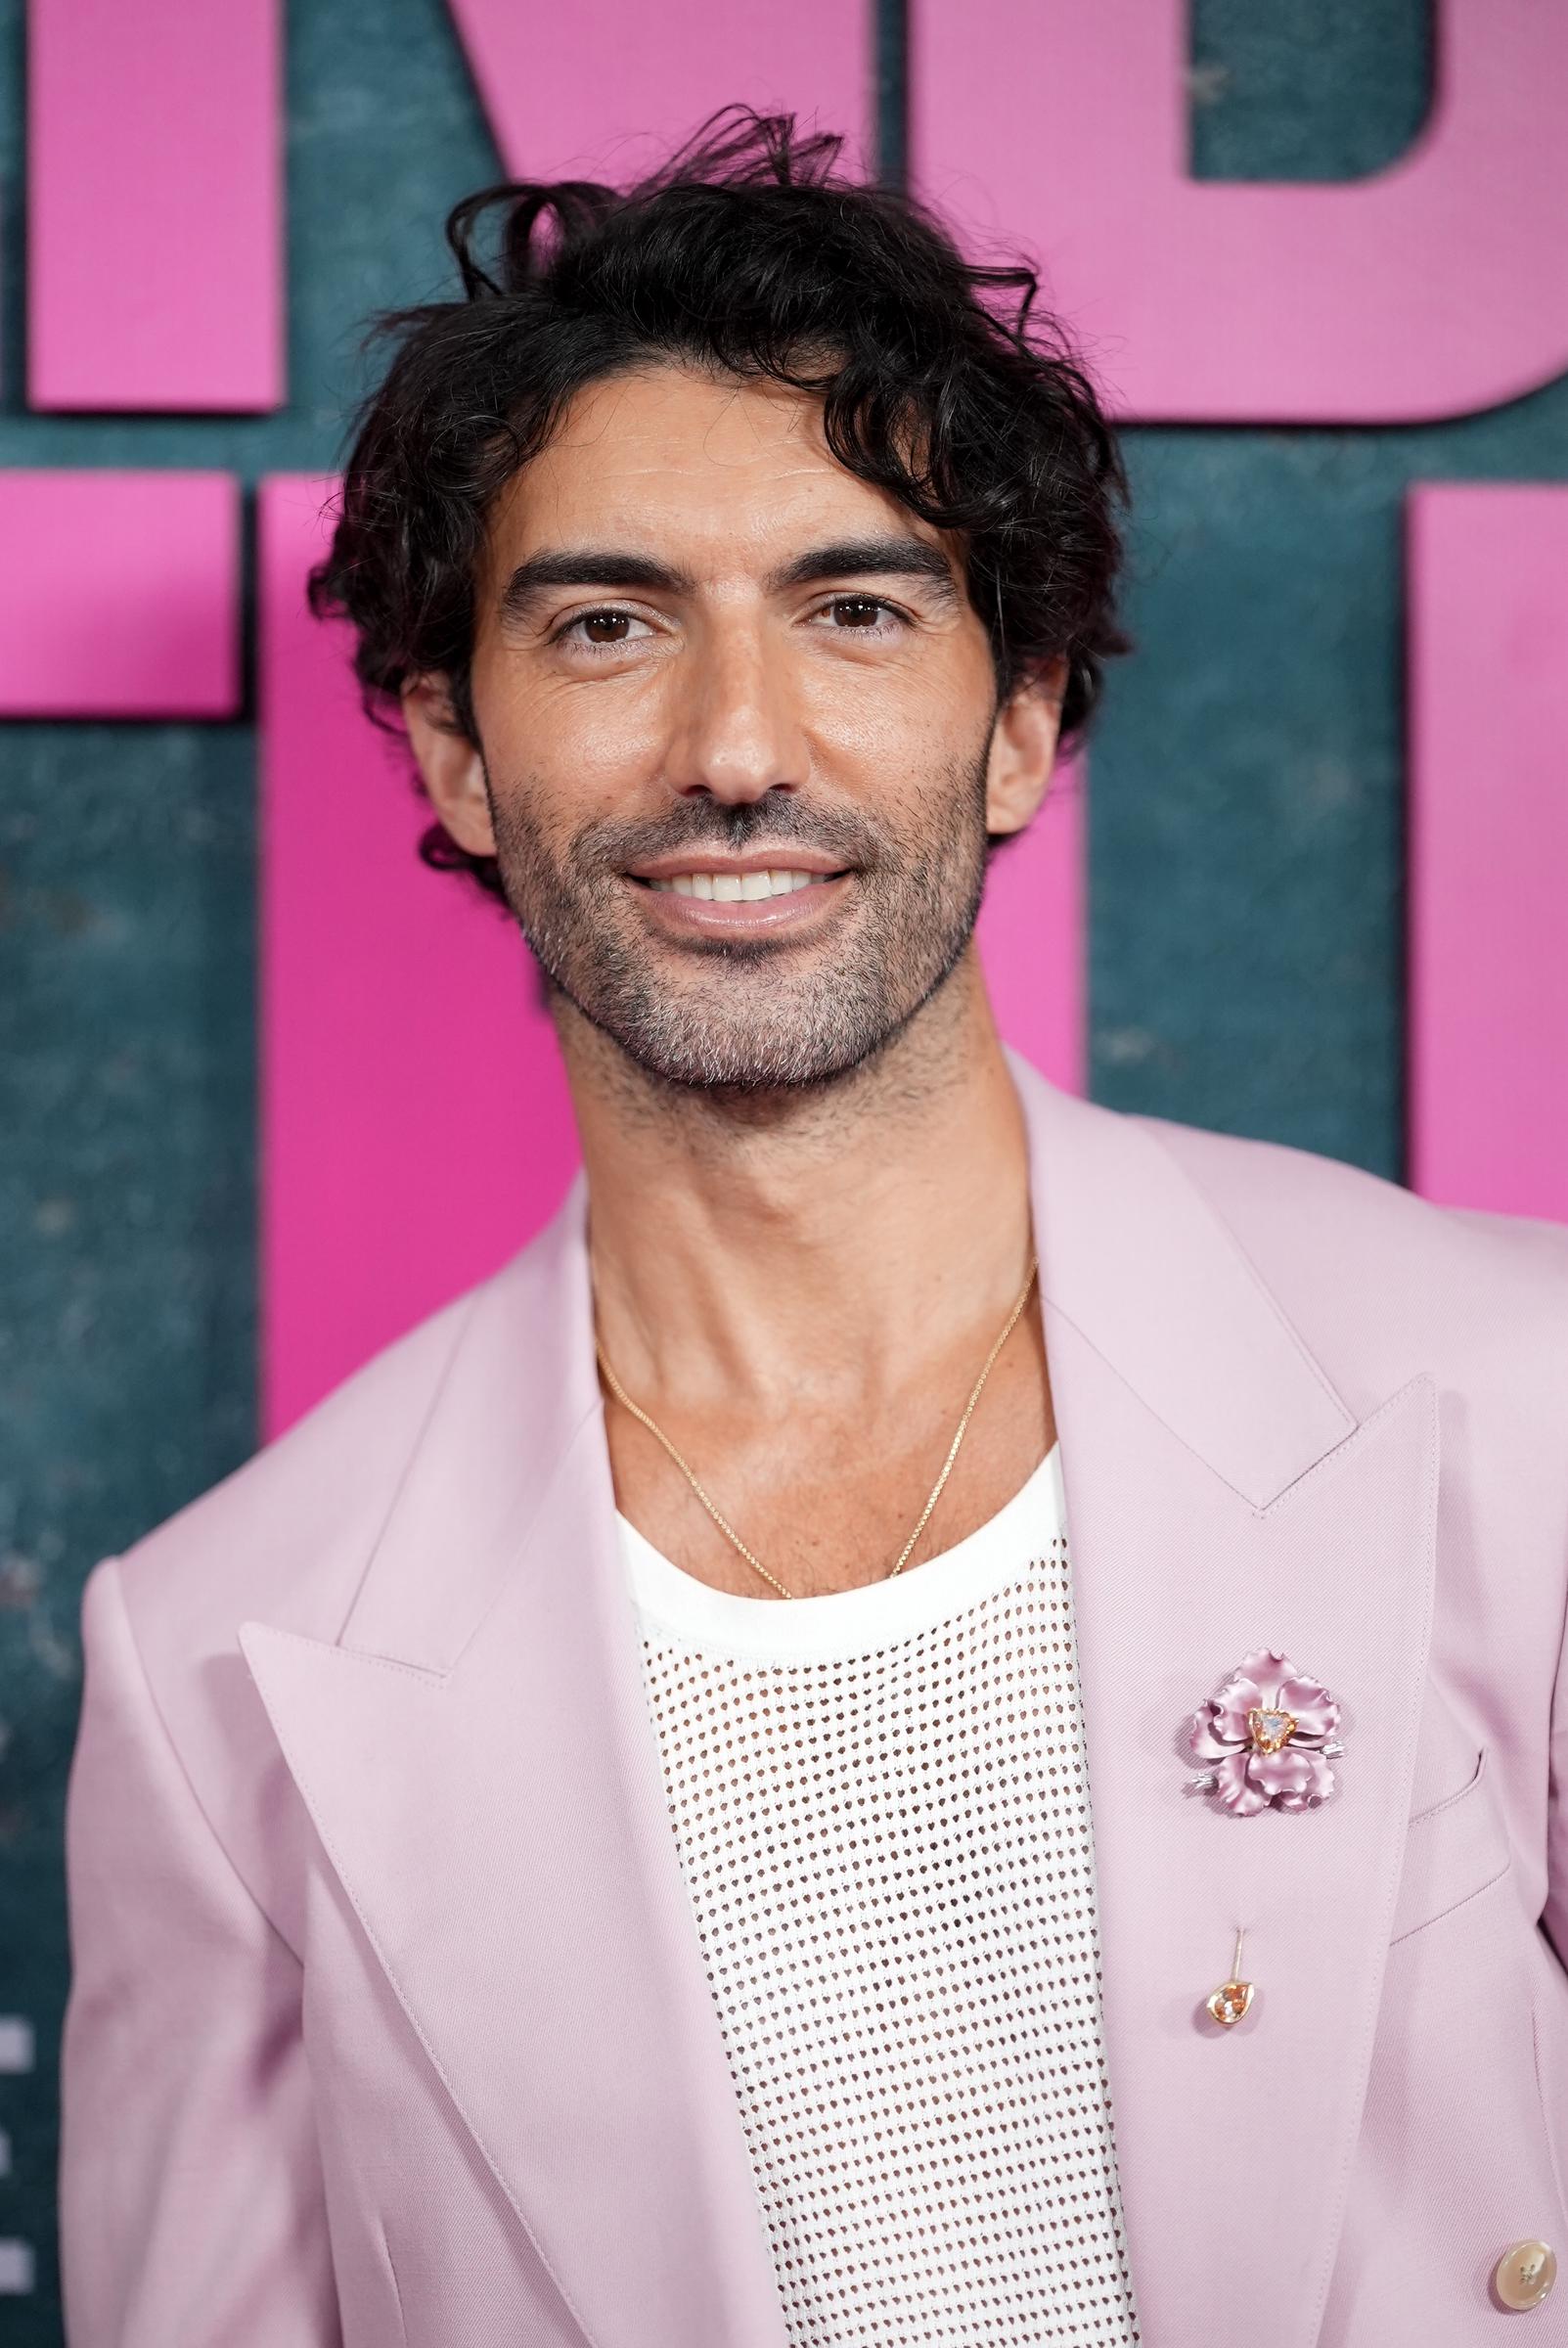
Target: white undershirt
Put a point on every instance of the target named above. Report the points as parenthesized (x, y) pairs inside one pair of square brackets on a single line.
[(880, 1801)]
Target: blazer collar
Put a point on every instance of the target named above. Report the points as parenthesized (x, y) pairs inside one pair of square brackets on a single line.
[(477, 1752)]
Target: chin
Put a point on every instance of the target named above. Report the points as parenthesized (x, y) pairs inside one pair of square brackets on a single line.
[(736, 1073), (737, 1063)]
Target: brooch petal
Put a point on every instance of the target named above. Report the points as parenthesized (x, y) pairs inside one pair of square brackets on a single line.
[(1266, 1738)]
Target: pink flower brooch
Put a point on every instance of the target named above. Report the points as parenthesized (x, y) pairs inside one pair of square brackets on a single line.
[(1270, 1735)]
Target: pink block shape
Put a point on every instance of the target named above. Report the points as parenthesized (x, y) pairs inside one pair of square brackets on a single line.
[(1032, 933), (415, 1123), (610, 91), (1433, 289), (119, 594), (154, 262), (1488, 602)]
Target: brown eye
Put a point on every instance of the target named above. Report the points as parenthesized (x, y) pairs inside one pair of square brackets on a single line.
[(856, 611), (604, 631)]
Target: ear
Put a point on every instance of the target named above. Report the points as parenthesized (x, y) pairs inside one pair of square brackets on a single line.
[(449, 763), (1024, 748)]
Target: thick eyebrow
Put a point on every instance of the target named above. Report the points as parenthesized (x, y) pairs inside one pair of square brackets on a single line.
[(586, 567), (608, 567), (868, 557)]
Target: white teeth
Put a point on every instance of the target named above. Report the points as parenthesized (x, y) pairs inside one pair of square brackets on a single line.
[(731, 889)]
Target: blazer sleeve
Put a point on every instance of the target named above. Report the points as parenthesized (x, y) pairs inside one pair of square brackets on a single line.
[(191, 2200)]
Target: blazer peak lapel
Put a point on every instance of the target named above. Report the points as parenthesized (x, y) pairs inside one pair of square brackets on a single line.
[(1222, 1498), (477, 1755)]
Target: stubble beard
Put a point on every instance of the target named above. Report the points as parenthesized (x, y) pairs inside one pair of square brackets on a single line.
[(750, 1016)]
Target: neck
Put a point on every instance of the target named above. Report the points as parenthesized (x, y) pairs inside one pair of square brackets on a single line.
[(808, 1248)]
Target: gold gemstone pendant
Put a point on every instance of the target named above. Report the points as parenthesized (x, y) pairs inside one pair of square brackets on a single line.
[(1271, 1731), (1231, 1999)]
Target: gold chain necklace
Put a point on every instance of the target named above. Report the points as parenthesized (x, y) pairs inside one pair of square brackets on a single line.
[(729, 1532)]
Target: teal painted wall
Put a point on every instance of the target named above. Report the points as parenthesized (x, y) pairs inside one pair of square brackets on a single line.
[(1246, 853)]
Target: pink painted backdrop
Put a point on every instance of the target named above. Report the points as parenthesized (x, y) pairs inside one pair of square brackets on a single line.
[(415, 1127), (155, 204), (119, 594), (1488, 590), (1032, 933), (1432, 288), (574, 94)]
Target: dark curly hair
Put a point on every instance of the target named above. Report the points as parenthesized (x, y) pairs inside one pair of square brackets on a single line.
[(748, 253)]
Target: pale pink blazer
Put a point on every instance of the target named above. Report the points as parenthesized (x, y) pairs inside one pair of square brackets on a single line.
[(388, 2022)]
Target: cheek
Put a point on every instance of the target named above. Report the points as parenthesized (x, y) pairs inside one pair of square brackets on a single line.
[(909, 754), (915, 719), (579, 750)]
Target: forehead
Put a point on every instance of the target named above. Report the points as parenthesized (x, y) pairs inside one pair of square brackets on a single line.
[(673, 461)]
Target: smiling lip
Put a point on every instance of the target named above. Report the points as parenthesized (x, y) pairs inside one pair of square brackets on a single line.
[(748, 916), (755, 860)]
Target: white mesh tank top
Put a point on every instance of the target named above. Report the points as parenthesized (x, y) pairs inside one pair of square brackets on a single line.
[(880, 1800)]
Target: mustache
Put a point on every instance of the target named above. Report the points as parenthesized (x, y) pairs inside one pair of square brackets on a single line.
[(750, 823)]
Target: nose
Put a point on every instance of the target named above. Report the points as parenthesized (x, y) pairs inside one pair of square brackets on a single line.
[(736, 733)]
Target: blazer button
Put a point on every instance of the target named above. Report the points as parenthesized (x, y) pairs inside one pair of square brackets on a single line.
[(1525, 2273)]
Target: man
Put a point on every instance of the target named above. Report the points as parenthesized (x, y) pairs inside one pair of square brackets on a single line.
[(589, 1838)]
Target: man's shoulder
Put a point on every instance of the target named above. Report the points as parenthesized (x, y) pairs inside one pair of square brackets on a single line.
[(285, 1534), (1371, 1272), (1242, 1171)]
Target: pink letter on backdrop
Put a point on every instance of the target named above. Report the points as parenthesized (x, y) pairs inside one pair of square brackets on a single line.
[(615, 85), (1433, 289), (119, 594), (415, 1128), (1031, 934), (155, 266), (1489, 846)]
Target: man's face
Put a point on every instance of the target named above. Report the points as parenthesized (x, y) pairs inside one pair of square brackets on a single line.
[(738, 744)]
